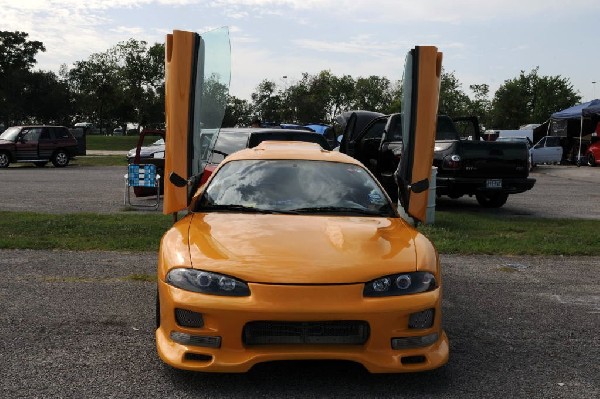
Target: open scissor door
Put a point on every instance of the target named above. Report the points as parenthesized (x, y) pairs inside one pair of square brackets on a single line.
[(198, 72), (420, 96)]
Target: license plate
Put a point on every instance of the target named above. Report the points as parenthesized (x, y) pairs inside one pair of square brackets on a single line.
[(493, 183)]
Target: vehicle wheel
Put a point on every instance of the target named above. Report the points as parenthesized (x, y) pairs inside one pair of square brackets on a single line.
[(40, 164), (60, 159), (491, 200), (4, 160), (591, 161)]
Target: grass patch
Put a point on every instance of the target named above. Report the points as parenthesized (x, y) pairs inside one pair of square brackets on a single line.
[(81, 231), (453, 233), (465, 233), (100, 160), (146, 278), (111, 143)]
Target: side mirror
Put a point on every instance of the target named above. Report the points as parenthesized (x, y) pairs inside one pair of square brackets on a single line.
[(178, 181)]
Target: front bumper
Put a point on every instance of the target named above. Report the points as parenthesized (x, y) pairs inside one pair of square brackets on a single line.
[(225, 317)]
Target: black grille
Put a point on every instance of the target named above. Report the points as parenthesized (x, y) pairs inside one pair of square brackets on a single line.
[(343, 332), (188, 318), (422, 319)]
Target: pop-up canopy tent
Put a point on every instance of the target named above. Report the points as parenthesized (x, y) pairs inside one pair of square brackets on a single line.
[(586, 114), (578, 111)]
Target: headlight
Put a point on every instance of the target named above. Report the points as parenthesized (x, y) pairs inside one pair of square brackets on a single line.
[(400, 284), (207, 282)]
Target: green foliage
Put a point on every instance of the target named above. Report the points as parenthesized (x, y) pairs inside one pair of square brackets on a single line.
[(17, 57), (453, 101), (531, 98), (126, 84)]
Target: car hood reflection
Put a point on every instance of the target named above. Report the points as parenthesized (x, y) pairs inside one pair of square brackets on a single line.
[(301, 249)]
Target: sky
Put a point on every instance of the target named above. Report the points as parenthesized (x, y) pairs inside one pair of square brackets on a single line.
[(482, 41)]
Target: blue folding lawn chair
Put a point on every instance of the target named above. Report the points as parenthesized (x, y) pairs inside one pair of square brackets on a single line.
[(142, 176)]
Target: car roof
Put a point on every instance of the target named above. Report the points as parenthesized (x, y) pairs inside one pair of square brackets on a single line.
[(291, 150), (257, 137)]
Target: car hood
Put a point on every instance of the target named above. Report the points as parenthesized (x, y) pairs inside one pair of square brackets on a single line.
[(299, 249), (146, 151), (5, 142)]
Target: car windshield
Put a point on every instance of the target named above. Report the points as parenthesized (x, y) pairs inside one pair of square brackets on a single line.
[(10, 134), (294, 186), (228, 143), (159, 142)]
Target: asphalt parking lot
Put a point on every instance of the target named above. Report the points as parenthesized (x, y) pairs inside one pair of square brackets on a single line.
[(80, 324), (560, 192)]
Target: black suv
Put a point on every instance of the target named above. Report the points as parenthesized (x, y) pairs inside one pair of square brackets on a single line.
[(38, 145)]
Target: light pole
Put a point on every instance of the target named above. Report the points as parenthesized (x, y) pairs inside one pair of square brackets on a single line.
[(593, 90)]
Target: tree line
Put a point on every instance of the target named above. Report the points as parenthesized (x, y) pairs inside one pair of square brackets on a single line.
[(126, 84)]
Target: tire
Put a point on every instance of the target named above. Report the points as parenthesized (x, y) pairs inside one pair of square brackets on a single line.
[(591, 161), (40, 164), (4, 160), (60, 159), (491, 200)]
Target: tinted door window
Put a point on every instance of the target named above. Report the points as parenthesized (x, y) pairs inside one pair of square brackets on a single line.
[(31, 134)]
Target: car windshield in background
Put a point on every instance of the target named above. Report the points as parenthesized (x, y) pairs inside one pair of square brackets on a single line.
[(228, 143), (295, 186), (10, 134)]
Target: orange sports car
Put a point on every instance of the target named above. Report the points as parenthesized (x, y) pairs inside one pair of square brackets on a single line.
[(293, 252)]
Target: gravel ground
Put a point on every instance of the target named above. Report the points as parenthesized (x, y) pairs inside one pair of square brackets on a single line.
[(74, 325)]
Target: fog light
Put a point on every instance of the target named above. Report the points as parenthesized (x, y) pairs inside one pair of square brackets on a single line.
[(422, 319), (414, 342), (195, 340)]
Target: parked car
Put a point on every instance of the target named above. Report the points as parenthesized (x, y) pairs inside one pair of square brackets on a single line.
[(548, 150), (38, 145), (593, 152), (156, 150), (231, 140), (237, 285)]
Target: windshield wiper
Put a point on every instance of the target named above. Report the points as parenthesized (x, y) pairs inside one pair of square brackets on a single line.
[(243, 208), (338, 209)]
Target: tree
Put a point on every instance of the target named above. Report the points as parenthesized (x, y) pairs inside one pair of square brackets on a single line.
[(97, 89), (266, 101), (237, 113), (141, 69), (48, 99), (453, 101), (480, 106), (373, 93), (531, 98), (17, 57)]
